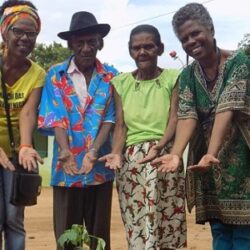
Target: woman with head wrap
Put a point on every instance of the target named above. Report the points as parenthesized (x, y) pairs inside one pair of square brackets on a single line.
[(23, 79)]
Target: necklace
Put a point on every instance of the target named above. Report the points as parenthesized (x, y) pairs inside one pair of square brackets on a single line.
[(207, 79), (156, 80)]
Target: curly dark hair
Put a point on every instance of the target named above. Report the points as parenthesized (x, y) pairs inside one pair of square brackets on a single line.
[(192, 11), (11, 3), (148, 29)]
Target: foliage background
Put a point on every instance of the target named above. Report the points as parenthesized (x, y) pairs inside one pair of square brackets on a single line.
[(245, 43), (48, 55)]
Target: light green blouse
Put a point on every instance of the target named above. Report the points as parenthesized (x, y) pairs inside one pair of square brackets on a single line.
[(146, 104)]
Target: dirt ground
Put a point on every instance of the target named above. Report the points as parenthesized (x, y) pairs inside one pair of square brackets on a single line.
[(40, 233)]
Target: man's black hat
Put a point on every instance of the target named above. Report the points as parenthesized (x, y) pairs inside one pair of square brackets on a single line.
[(83, 22)]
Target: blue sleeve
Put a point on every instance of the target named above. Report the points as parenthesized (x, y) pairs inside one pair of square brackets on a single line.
[(110, 111), (52, 112)]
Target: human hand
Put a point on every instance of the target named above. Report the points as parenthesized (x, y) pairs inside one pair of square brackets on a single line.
[(206, 162), (113, 161), (5, 162), (152, 154), (167, 163), (88, 162), (67, 160), (28, 158)]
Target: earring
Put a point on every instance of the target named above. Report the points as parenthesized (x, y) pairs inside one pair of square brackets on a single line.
[(187, 59), (215, 45)]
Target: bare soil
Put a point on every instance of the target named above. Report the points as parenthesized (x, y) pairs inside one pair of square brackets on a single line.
[(39, 227)]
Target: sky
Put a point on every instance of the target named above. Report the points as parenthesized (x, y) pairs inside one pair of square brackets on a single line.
[(231, 20)]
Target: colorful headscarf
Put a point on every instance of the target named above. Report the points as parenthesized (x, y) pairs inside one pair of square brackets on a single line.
[(13, 13)]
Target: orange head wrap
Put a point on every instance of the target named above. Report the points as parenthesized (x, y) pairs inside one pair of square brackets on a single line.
[(13, 13)]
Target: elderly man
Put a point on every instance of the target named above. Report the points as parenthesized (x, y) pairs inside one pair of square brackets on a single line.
[(77, 107)]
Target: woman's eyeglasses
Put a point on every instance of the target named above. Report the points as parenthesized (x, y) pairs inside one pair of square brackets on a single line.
[(20, 33)]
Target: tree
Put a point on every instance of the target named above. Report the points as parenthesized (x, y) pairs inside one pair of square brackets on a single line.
[(47, 55), (245, 43)]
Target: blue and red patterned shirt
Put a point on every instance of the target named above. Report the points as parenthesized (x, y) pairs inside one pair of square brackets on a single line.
[(60, 107)]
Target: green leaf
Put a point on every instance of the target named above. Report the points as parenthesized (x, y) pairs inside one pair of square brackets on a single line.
[(78, 236), (77, 228), (47, 55), (68, 236), (85, 237), (100, 244), (80, 248)]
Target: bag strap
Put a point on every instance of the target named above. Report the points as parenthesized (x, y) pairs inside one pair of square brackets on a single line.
[(14, 154), (7, 111)]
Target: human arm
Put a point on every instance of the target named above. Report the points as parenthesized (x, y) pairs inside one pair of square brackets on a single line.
[(169, 132), (91, 156), (186, 124), (184, 131), (66, 157), (53, 118), (221, 126), (232, 104), (27, 124), (114, 159), (5, 162)]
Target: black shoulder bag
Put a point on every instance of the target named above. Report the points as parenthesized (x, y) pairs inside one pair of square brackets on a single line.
[(26, 186)]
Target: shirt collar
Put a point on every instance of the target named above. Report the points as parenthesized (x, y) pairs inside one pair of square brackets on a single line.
[(72, 67)]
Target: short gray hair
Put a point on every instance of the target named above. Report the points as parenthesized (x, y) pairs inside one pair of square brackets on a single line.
[(192, 11)]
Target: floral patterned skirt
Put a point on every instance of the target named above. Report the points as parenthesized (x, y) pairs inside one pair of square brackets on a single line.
[(152, 203)]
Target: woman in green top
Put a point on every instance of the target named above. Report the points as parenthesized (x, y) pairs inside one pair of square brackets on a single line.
[(151, 202), (214, 109)]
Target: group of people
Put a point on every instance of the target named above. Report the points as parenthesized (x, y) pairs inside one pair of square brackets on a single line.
[(132, 127)]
